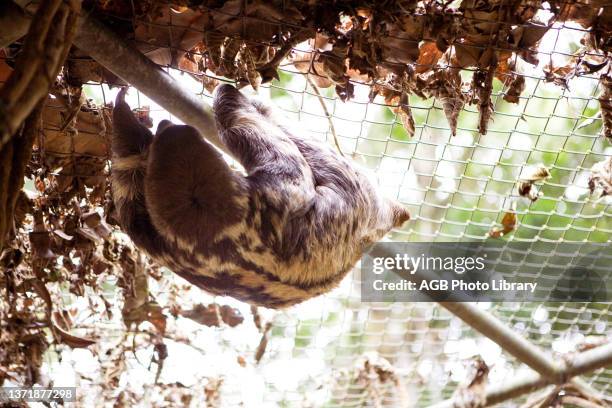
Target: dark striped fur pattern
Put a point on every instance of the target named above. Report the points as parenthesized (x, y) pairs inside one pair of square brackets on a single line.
[(287, 230)]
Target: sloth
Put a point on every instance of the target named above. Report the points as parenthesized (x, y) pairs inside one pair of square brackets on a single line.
[(287, 228)]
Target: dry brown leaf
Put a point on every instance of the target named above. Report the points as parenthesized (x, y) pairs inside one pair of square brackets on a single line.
[(560, 75), (62, 319), (534, 173), (263, 343), (429, 54), (40, 239), (509, 224), (231, 316), (10, 258), (206, 315), (446, 86), (170, 34), (514, 82), (505, 65), (375, 377), (515, 88), (67, 338), (256, 317), (150, 312), (605, 102), (89, 234), (212, 391), (155, 316), (41, 290), (93, 220), (528, 190), (374, 368), (75, 150), (402, 44), (582, 13), (334, 64), (212, 315), (252, 74), (307, 62), (465, 56), (482, 87), (473, 392), (405, 115), (526, 40), (229, 51), (23, 207), (601, 177), (246, 41), (100, 266), (63, 235), (403, 111), (138, 307), (263, 22)]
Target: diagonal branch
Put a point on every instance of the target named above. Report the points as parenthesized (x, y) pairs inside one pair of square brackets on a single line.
[(328, 115), (508, 339), (133, 67), (111, 51), (582, 363)]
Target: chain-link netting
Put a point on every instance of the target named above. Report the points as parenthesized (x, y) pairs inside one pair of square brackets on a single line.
[(335, 350)]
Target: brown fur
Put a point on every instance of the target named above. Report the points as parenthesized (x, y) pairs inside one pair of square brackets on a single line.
[(289, 230)]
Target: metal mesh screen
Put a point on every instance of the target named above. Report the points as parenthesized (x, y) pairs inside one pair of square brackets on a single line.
[(336, 351), (457, 188)]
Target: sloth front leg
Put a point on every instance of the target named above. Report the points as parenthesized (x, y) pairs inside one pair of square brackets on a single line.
[(191, 192), (275, 166)]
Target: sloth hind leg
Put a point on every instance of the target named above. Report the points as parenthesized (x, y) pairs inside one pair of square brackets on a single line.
[(191, 193), (129, 145), (129, 136)]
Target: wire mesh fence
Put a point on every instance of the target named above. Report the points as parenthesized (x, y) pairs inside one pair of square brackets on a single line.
[(335, 350), (457, 189)]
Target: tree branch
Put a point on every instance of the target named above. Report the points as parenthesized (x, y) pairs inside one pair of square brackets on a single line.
[(133, 67), (580, 364)]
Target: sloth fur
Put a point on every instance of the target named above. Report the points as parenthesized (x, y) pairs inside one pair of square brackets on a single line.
[(288, 230)]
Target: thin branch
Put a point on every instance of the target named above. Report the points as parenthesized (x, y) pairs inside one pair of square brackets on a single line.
[(509, 340), (582, 363), (327, 114)]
